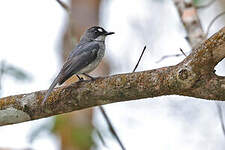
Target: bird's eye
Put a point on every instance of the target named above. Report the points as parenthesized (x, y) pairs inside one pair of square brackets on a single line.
[(100, 30)]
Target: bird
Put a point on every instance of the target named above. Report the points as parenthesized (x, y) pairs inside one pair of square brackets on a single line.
[(84, 58)]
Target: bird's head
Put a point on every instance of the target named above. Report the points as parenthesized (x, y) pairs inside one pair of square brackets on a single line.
[(96, 33)]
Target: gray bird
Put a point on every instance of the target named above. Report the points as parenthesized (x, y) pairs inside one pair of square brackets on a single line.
[(84, 58)]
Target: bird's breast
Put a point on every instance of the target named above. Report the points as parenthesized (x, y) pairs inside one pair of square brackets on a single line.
[(95, 63)]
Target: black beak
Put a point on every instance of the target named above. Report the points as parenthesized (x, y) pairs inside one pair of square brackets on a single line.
[(109, 33)]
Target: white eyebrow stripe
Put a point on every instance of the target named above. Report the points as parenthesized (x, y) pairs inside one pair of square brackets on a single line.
[(100, 30)]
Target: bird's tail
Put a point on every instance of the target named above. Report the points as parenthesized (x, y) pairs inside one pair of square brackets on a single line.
[(54, 83)]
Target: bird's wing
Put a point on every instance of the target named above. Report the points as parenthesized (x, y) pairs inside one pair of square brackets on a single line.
[(78, 60)]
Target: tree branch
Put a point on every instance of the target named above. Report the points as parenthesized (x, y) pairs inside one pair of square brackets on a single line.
[(194, 77), (196, 38)]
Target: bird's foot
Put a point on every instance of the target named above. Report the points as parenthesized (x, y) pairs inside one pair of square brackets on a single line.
[(92, 78), (80, 78)]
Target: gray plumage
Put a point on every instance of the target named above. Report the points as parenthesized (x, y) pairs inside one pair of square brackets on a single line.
[(84, 58)]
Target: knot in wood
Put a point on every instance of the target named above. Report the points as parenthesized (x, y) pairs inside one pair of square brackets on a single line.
[(186, 77), (183, 74)]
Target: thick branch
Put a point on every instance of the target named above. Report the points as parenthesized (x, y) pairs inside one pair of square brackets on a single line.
[(216, 55), (194, 77)]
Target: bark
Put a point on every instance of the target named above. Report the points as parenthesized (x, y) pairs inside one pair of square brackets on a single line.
[(193, 77)]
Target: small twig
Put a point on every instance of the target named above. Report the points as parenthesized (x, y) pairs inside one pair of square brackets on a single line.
[(100, 137), (183, 52), (139, 59), (211, 23), (175, 55), (168, 56), (67, 8), (63, 5), (205, 5), (111, 128)]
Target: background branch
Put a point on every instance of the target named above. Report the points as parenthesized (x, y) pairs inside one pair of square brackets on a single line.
[(63, 5), (191, 21), (111, 128)]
